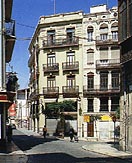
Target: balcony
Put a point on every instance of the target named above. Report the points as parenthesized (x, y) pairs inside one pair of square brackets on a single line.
[(32, 77), (108, 64), (51, 92), (58, 43), (54, 67), (34, 95), (70, 66), (70, 91), (110, 40), (100, 91), (10, 39)]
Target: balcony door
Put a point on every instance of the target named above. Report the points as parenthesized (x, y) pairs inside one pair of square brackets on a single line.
[(70, 34), (71, 83), (90, 80), (51, 83), (104, 81), (51, 60), (70, 60), (115, 80), (51, 37)]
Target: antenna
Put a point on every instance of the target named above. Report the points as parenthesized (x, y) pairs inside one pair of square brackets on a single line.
[(107, 3), (54, 7)]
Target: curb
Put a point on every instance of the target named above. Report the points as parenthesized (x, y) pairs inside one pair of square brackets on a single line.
[(114, 152)]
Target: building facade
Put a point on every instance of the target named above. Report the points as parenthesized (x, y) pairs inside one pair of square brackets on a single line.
[(125, 39), (7, 41), (22, 110), (101, 71), (55, 64), (76, 56)]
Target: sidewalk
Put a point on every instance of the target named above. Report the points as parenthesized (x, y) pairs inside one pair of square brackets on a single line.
[(11, 153), (106, 149)]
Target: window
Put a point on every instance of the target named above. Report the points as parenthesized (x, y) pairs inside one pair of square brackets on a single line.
[(115, 53), (114, 30), (51, 37), (90, 105), (51, 82), (103, 80), (90, 80), (114, 103), (51, 59), (90, 33), (70, 34), (70, 57), (103, 104), (104, 53), (90, 56), (115, 80), (104, 36), (71, 81), (103, 32)]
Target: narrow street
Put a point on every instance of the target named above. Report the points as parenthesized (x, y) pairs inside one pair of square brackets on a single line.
[(53, 150)]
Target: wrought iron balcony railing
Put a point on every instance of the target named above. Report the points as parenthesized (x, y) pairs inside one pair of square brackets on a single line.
[(51, 91), (10, 28), (99, 89), (70, 66), (61, 42), (108, 63), (10, 39), (51, 67), (109, 39), (70, 89), (34, 94)]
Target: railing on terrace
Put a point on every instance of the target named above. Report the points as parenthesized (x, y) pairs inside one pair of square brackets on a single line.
[(51, 91), (70, 65), (107, 39), (108, 63), (34, 94), (60, 42), (70, 89), (98, 88), (51, 67), (10, 28)]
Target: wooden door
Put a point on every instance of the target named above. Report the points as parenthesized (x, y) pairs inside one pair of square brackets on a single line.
[(90, 129)]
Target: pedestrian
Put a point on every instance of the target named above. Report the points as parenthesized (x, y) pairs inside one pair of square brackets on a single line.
[(76, 138), (44, 131), (9, 133), (71, 134)]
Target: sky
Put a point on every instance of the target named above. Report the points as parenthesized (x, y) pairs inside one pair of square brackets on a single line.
[(26, 13)]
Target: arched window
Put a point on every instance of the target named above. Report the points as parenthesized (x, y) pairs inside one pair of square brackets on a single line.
[(114, 31), (90, 33), (103, 31), (90, 56)]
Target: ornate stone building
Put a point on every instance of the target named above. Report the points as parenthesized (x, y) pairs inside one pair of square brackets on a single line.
[(76, 56)]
